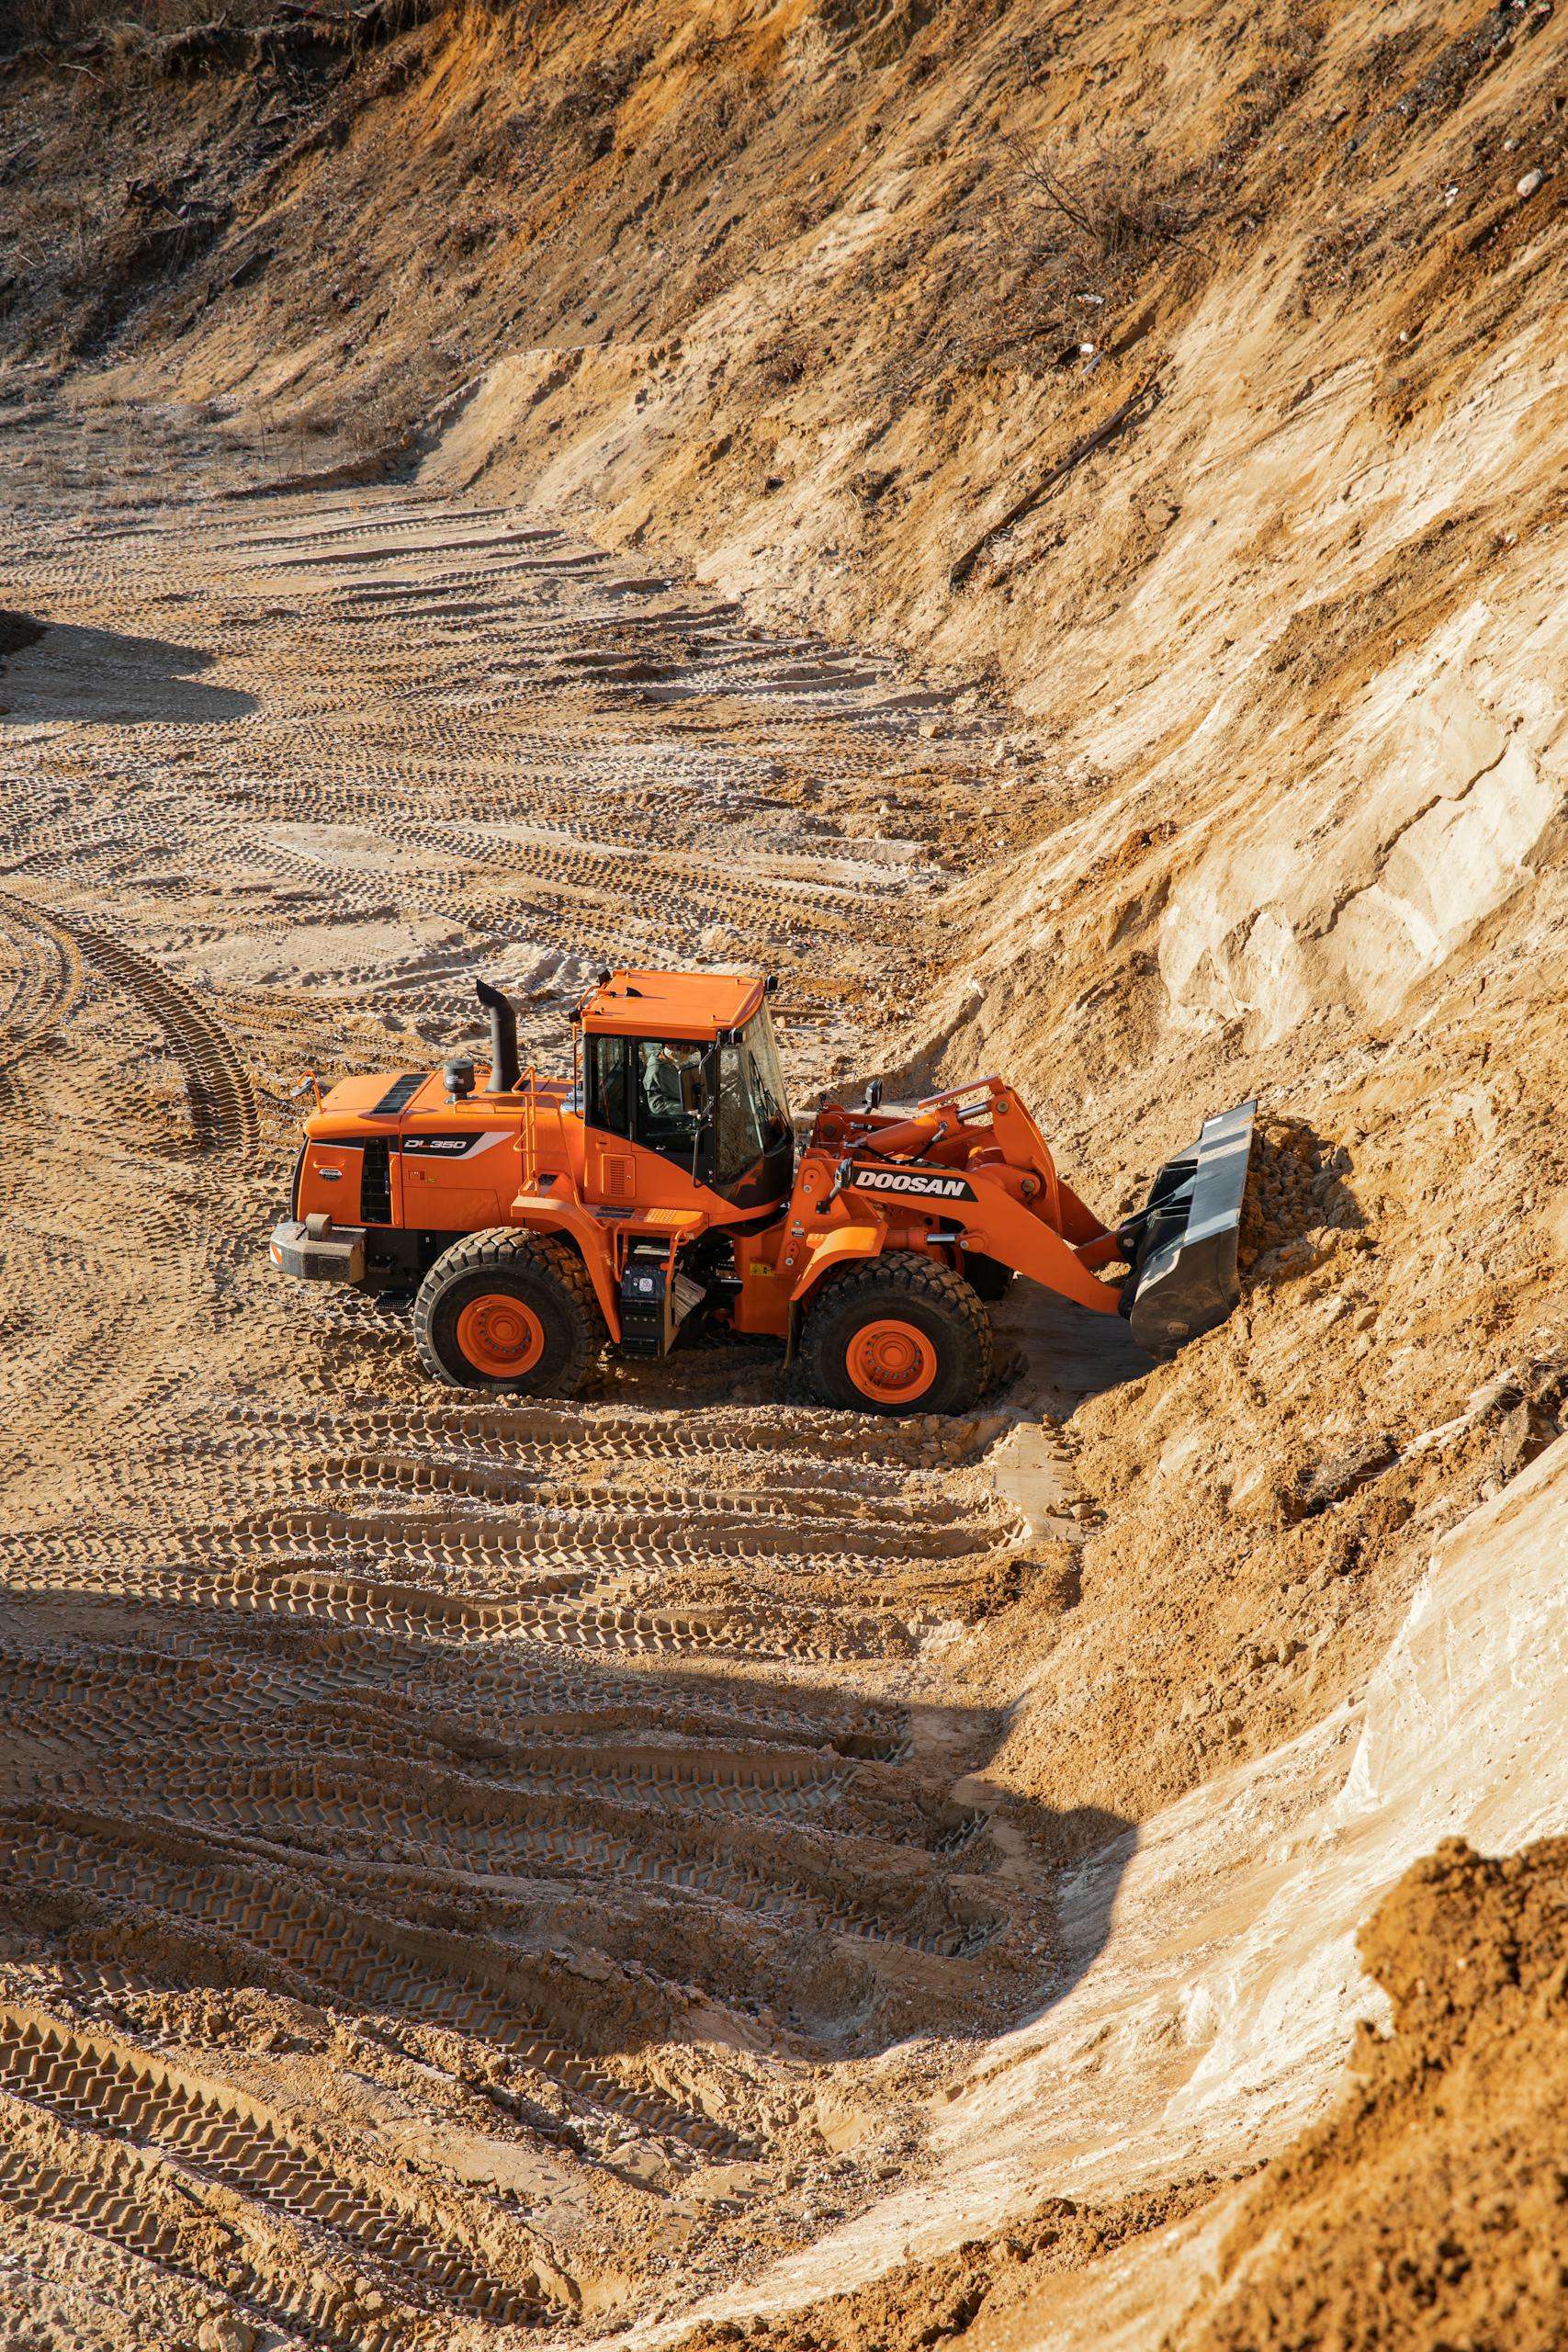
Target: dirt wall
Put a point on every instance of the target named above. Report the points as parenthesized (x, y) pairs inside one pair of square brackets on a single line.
[(1428, 2207)]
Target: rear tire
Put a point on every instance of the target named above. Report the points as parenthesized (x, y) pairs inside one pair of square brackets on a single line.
[(510, 1311), (900, 1334)]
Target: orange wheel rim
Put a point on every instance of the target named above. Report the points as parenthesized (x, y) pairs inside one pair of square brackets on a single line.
[(893, 1362), (500, 1336)]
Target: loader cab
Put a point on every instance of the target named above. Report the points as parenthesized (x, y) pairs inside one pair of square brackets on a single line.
[(684, 1066)]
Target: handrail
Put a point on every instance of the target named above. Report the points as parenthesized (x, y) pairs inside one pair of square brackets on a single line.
[(530, 1168)]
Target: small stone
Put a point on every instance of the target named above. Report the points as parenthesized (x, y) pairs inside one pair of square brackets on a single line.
[(1500, 1394), (225, 2335), (1530, 182), (1344, 1475)]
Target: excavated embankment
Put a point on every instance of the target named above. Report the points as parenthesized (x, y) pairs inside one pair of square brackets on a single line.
[(1048, 533)]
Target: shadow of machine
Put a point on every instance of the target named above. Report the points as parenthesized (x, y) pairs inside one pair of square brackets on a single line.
[(56, 671)]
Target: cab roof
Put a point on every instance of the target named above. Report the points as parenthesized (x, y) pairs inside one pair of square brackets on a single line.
[(670, 1004)]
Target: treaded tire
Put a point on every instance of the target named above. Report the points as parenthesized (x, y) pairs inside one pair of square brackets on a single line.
[(551, 1283), (899, 1289)]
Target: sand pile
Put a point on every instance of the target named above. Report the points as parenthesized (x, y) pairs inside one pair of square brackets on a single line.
[(966, 2295), (1427, 2207)]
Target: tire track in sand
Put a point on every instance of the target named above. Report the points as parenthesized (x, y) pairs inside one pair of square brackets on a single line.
[(43, 972), (231, 2140), (572, 1755), (353, 1954), (219, 1091)]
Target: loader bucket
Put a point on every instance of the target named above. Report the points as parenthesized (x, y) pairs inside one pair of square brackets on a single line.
[(1181, 1244)]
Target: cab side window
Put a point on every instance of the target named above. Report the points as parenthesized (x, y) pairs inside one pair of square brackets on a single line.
[(610, 1084), (740, 1144)]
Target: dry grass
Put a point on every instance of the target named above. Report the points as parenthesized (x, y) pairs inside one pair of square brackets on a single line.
[(61, 24), (1106, 210)]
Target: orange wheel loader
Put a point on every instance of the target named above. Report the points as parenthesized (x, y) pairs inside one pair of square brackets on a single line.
[(535, 1221)]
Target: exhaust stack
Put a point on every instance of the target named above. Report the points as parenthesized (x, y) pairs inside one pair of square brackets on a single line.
[(504, 1063)]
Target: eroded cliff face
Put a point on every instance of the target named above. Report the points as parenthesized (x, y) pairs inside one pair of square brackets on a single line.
[(1191, 379)]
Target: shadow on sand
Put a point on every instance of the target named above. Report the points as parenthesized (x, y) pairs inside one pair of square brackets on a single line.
[(96, 676), (1063, 1354), (416, 1834)]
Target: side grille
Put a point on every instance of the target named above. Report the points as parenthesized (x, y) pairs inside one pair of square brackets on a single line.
[(401, 1092), (376, 1184)]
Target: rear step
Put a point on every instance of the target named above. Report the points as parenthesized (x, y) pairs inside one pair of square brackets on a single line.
[(1181, 1244)]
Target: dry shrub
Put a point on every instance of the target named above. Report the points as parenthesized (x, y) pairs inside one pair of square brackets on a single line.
[(58, 24), (61, 24), (1053, 233), (1115, 206)]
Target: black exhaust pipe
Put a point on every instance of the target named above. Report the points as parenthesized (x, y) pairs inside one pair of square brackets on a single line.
[(504, 1064)]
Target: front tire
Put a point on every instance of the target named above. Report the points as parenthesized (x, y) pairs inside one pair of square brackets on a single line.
[(511, 1311), (900, 1334)]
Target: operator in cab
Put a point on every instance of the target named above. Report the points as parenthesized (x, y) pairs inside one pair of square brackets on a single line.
[(670, 1086)]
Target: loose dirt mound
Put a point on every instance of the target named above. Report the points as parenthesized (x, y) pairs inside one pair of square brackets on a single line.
[(980, 2285), (1424, 2210), (1284, 1198), (1428, 2207)]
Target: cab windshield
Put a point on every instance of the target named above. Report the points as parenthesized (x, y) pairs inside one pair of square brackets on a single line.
[(754, 1116)]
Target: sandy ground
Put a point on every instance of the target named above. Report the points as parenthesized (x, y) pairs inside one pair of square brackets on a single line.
[(465, 1860)]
